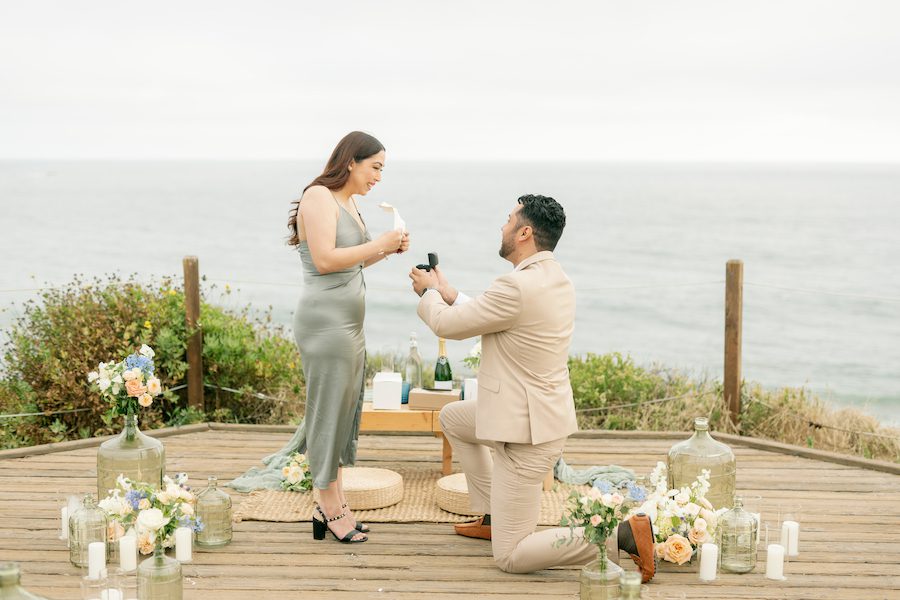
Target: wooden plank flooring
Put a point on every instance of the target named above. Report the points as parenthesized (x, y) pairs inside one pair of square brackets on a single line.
[(850, 530)]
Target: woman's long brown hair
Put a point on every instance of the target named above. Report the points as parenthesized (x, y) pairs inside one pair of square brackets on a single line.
[(355, 146)]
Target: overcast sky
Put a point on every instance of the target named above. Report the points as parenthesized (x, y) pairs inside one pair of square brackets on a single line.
[(814, 80)]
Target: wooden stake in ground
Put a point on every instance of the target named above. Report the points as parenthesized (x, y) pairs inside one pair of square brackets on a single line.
[(734, 302), (195, 341)]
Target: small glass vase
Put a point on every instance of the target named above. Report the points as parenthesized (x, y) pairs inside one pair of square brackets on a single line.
[(738, 537), (600, 579), (87, 525), (688, 458), (10, 576), (159, 577), (214, 511), (132, 454)]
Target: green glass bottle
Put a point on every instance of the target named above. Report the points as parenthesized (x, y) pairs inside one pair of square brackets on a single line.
[(443, 376)]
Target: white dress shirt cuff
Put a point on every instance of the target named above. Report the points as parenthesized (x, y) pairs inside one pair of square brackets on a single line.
[(460, 299)]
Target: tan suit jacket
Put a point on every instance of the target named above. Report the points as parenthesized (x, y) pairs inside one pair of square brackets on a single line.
[(526, 320)]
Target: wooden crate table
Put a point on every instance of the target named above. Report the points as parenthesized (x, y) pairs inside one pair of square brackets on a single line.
[(406, 419)]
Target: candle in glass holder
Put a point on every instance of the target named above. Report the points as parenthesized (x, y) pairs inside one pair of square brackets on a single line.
[(96, 559), (184, 539), (709, 558), (64, 526), (775, 562), (790, 537), (128, 553)]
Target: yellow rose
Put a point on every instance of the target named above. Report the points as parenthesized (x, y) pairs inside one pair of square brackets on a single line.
[(677, 549), (145, 400)]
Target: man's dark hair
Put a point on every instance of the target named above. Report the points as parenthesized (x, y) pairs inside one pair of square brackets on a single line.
[(546, 217)]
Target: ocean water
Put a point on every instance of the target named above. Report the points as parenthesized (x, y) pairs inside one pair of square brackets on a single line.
[(645, 245)]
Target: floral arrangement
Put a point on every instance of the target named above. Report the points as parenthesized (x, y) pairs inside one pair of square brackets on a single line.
[(473, 360), (150, 514), (128, 383), (683, 519), (599, 512), (296, 476)]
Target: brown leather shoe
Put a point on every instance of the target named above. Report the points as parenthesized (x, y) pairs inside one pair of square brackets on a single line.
[(475, 529), (642, 532)]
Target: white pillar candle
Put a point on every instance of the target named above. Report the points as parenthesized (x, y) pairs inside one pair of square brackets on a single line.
[(709, 559), (64, 526), (96, 559), (775, 562), (111, 594), (128, 553), (790, 537), (184, 539)]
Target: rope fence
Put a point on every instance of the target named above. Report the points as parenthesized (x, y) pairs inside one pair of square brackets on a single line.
[(642, 286)]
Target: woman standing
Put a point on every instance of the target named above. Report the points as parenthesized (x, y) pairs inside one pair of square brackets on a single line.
[(335, 246)]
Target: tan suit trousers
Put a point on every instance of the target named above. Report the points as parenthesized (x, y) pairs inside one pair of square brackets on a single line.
[(508, 486)]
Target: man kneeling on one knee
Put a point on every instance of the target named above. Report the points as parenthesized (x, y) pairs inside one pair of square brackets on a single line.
[(524, 411)]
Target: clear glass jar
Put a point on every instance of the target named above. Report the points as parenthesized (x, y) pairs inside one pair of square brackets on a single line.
[(132, 454), (88, 524), (10, 576), (599, 579), (631, 585), (688, 458), (214, 511), (159, 578), (738, 535)]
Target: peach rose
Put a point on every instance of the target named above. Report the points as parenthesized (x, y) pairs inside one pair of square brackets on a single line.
[(145, 400), (135, 388), (596, 520), (677, 549), (698, 536)]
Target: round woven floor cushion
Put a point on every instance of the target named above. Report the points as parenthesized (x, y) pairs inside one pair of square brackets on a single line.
[(453, 494), (367, 488)]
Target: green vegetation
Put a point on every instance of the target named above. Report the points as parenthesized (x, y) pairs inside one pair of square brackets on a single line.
[(788, 415), (66, 332)]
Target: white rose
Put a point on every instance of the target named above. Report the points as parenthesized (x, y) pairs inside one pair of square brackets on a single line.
[(93, 376), (151, 519), (154, 388), (682, 498), (103, 383), (146, 351), (131, 374), (700, 525), (710, 518), (163, 497), (691, 509), (187, 510)]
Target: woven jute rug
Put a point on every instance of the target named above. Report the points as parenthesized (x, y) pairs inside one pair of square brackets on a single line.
[(418, 505)]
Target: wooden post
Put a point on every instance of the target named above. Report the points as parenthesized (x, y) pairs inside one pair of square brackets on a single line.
[(734, 302), (195, 342)]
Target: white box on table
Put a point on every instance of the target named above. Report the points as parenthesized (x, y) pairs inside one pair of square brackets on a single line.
[(387, 391)]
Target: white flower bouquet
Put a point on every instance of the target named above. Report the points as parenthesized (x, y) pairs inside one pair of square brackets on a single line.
[(683, 519), (127, 383), (151, 514), (295, 475), (473, 360)]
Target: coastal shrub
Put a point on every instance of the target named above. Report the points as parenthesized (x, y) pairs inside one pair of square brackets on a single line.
[(67, 331), (612, 392)]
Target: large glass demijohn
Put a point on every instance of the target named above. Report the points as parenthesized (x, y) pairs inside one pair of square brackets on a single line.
[(688, 458)]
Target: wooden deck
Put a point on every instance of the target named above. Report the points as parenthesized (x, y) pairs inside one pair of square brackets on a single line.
[(850, 531)]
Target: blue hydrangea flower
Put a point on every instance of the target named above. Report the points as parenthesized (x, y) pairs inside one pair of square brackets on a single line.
[(134, 498), (198, 525), (141, 362), (636, 492), (604, 486)]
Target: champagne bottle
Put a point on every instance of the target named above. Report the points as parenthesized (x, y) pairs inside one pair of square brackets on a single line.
[(413, 363), (443, 377)]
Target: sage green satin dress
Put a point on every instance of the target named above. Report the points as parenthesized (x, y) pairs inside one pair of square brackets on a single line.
[(328, 328)]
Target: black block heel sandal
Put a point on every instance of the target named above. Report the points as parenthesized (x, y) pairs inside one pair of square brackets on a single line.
[(320, 527)]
